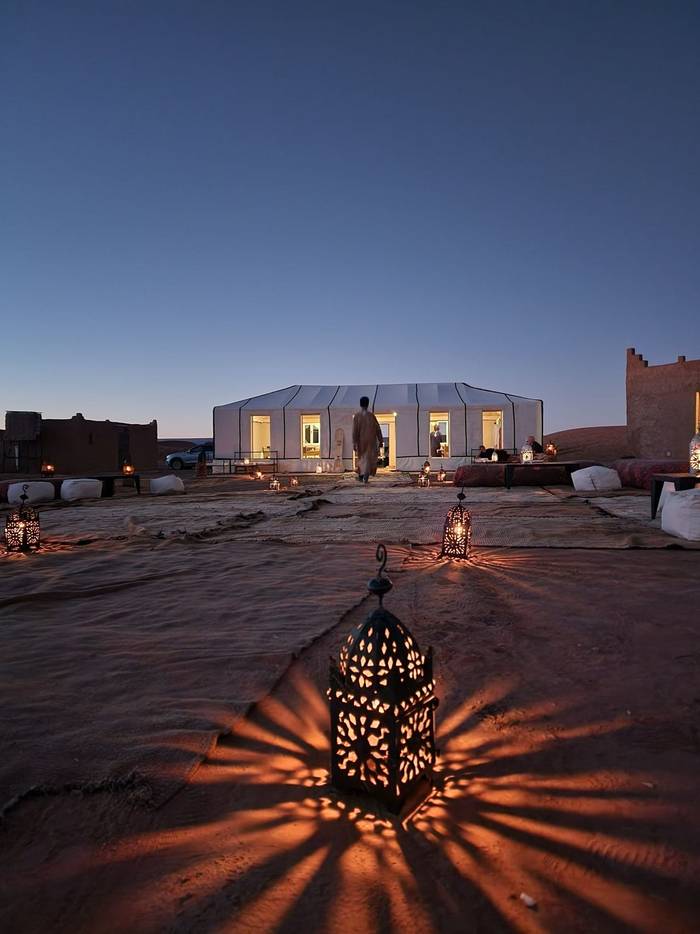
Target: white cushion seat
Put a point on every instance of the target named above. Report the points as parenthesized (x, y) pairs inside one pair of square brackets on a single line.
[(596, 480), (681, 515), (72, 490), (160, 486), (38, 491), (666, 490)]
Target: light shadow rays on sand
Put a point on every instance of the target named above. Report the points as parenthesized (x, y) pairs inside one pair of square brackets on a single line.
[(502, 807)]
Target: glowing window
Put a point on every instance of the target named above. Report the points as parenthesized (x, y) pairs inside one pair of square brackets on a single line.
[(260, 435), (310, 435), (492, 429), (439, 434)]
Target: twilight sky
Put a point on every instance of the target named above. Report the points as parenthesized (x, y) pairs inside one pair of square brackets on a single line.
[(205, 200)]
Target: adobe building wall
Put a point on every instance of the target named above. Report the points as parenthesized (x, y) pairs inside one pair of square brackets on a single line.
[(661, 402), (79, 445)]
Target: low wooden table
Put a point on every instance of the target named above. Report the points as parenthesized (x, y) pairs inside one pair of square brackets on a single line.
[(680, 481), (510, 468), (109, 478)]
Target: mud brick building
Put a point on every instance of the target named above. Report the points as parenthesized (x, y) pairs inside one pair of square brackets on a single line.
[(663, 406), (75, 445)]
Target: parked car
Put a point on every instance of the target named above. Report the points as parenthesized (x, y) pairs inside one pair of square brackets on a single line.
[(179, 459)]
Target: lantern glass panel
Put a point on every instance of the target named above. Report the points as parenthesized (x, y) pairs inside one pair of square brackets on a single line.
[(526, 453)]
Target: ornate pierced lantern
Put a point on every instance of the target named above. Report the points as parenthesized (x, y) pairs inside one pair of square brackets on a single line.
[(457, 534), (442, 474), (319, 468), (550, 449), (275, 484), (47, 470), (22, 529), (527, 455), (423, 479), (294, 482), (695, 454), (128, 469), (382, 703)]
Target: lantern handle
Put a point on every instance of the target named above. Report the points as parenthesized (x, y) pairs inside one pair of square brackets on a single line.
[(381, 557), (380, 585)]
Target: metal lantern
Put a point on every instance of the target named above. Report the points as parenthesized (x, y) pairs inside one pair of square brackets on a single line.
[(294, 482), (442, 474), (527, 455), (695, 454), (258, 475), (47, 470), (128, 469), (319, 468), (457, 533), (275, 484), (423, 479), (22, 529), (382, 703), (494, 457), (550, 449)]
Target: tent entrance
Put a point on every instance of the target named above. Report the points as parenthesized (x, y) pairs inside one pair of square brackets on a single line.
[(388, 425)]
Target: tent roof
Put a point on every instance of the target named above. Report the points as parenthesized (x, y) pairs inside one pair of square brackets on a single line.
[(383, 397)]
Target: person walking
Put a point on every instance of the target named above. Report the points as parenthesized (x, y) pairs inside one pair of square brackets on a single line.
[(367, 439)]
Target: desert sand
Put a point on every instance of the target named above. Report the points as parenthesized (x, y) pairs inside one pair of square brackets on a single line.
[(165, 729)]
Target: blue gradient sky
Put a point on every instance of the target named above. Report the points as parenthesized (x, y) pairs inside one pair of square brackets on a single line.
[(205, 200)]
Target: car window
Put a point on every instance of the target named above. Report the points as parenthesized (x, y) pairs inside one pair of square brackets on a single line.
[(195, 450)]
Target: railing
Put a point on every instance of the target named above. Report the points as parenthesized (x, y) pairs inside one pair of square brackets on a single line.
[(248, 461)]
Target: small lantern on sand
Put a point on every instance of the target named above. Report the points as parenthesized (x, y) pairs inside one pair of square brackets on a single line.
[(128, 469), (22, 529), (423, 480), (275, 485), (294, 482), (319, 468), (494, 457), (550, 449), (694, 459), (442, 474), (258, 475), (382, 703), (457, 534), (527, 455), (47, 470)]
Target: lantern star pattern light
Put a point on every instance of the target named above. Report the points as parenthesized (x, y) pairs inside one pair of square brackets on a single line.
[(457, 533), (382, 702), (527, 455), (694, 458), (22, 529)]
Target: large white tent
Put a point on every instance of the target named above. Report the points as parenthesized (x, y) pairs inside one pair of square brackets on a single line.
[(301, 427)]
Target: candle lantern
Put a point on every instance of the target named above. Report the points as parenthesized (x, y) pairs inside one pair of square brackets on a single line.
[(275, 484), (527, 455), (22, 529), (457, 533), (128, 469), (423, 480), (550, 449), (47, 470), (319, 468), (494, 457), (695, 454), (382, 703), (442, 474), (294, 482)]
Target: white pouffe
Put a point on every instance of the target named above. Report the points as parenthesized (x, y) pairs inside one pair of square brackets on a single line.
[(681, 515), (38, 491), (72, 490), (159, 486), (666, 491), (596, 480)]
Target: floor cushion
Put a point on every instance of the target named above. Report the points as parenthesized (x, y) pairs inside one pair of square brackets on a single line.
[(681, 515), (72, 490), (38, 491), (170, 484), (595, 479)]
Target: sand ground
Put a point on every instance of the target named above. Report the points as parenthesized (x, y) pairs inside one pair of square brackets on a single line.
[(165, 729)]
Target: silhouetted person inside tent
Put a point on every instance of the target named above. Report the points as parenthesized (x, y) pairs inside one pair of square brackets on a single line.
[(367, 440)]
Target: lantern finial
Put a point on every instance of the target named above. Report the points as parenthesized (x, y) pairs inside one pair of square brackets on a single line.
[(380, 585)]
